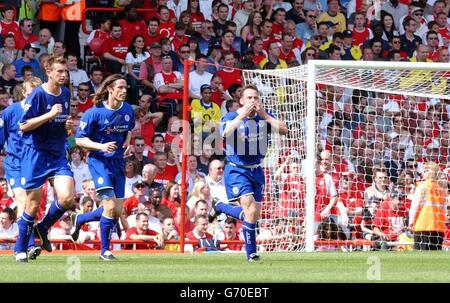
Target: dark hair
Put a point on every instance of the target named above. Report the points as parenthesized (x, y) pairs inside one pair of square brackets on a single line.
[(102, 92), (11, 213)]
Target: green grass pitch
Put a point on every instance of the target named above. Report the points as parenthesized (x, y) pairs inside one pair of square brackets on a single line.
[(275, 267)]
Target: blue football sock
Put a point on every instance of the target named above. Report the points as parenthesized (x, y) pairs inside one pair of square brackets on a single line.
[(249, 237), (31, 242), (25, 224), (54, 213), (234, 211), (106, 226), (94, 215)]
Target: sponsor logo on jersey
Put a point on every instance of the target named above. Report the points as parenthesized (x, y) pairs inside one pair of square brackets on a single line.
[(83, 125)]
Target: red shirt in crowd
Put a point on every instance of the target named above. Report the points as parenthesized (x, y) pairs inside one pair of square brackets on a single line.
[(116, 47), (148, 232), (390, 222), (230, 77)]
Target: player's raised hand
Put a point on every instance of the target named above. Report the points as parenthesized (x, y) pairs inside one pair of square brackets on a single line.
[(247, 110), (109, 147), (56, 110)]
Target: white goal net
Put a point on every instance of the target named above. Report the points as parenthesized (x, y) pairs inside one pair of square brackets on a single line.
[(373, 127)]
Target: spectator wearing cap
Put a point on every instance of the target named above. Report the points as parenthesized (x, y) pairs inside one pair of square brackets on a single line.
[(351, 51), (199, 77), (428, 211), (391, 218), (150, 67), (416, 13), (29, 54), (334, 15), (130, 205), (205, 113)]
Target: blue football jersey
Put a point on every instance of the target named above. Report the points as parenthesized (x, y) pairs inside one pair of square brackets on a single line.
[(50, 136), (103, 124), (10, 133), (248, 144)]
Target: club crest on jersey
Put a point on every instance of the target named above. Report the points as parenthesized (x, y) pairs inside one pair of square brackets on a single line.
[(23, 181), (127, 118), (26, 107), (66, 105), (100, 180), (12, 181), (49, 107), (235, 190)]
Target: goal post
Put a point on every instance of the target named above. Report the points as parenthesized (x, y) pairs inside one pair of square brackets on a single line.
[(309, 98)]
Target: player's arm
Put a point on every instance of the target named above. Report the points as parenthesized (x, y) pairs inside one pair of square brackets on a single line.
[(232, 125), (35, 122), (126, 145), (88, 144), (278, 125)]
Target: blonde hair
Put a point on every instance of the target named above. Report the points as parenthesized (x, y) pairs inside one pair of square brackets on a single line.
[(32, 82), (197, 190), (434, 170)]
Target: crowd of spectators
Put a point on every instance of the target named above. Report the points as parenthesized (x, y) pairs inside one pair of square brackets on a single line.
[(369, 137)]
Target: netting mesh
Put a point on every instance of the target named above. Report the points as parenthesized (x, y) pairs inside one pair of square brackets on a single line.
[(376, 131)]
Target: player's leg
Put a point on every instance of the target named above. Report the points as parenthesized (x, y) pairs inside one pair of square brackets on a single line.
[(26, 223), (78, 220), (107, 222), (64, 190), (20, 196), (252, 211)]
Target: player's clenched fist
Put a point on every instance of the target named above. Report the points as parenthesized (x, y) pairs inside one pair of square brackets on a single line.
[(56, 110)]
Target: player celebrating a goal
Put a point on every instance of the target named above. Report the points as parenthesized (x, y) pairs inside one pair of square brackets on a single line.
[(247, 134)]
